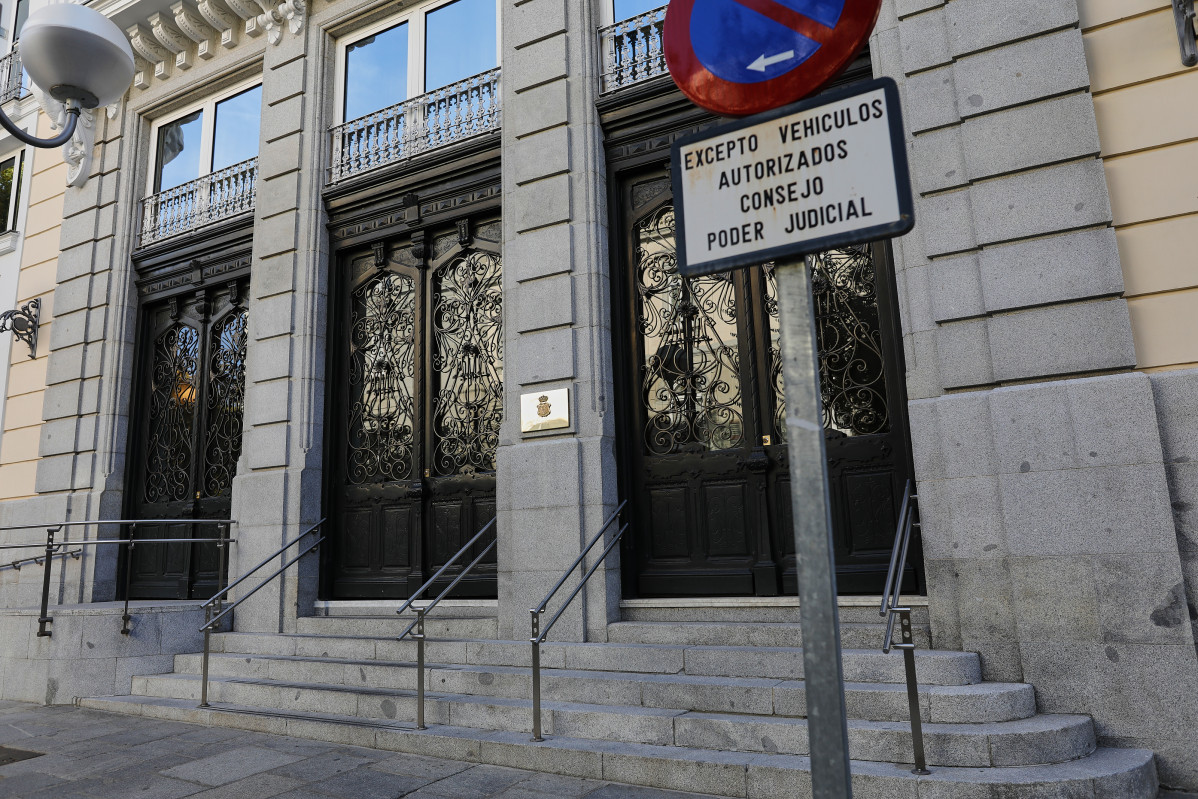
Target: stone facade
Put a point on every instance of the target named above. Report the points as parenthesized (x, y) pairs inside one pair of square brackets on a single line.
[(1057, 483)]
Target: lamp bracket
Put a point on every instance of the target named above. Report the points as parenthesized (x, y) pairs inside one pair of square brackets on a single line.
[(1187, 31), (23, 323)]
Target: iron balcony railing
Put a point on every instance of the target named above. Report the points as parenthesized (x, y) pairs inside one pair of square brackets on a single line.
[(632, 51), (223, 194), (443, 116), (12, 83)]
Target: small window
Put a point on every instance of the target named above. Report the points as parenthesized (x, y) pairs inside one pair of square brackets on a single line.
[(19, 19), (10, 190), (219, 134), (423, 50)]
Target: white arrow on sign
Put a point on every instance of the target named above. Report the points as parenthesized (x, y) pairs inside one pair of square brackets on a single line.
[(763, 61)]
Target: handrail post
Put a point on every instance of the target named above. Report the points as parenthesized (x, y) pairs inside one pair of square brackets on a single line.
[(207, 649), (420, 669), (921, 763), (536, 676), (128, 571), (223, 552), (44, 618)]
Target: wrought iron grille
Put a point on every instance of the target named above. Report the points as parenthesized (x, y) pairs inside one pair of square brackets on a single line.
[(632, 51), (467, 320), (691, 379), (12, 77), (443, 116), (226, 403), (221, 195), (382, 373), (173, 393), (691, 375), (849, 337)]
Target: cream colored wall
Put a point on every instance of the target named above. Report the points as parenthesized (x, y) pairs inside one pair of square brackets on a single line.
[(39, 266), (1148, 125)]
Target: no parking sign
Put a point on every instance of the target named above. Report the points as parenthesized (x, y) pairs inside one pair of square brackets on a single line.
[(740, 57)]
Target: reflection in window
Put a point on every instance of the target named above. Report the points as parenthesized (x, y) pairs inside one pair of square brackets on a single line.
[(376, 72), (19, 21), (179, 151), (10, 190), (237, 124), (627, 9), (459, 42)]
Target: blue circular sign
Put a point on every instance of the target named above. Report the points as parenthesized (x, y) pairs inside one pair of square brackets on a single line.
[(738, 57)]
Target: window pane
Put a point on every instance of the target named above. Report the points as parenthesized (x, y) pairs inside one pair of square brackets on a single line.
[(627, 9), (459, 42), (19, 21), (8, 179), (236, 135), (179, 151), (376, 72)]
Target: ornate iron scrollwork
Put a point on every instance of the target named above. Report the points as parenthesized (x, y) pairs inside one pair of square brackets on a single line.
[(23, 323), (225, 404), (467, 323), (691, 375), (1187, 31), (849, 336), (382, 371), (173, 393)]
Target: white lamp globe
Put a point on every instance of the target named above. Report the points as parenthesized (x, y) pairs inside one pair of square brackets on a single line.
[(73, 52)]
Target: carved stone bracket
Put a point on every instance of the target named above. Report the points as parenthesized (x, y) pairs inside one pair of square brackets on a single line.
[(196, 29), (78, 152), (23, 323)]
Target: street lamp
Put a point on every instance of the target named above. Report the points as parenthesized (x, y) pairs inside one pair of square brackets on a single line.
[(77, 56)]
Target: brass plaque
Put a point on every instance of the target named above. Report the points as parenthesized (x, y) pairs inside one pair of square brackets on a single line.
[(545, 410)]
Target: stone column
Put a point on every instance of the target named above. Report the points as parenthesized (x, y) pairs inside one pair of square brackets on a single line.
[(554, 490), (1048, 539), (81, 469), (277, 491)]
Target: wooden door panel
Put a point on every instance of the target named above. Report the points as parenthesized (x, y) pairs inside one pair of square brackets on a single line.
[(705, 445), (414, 409)]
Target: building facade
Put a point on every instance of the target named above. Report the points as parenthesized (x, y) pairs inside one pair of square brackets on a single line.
[(329, 258)]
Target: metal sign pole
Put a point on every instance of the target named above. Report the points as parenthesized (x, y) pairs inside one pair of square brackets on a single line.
[(827, 726)]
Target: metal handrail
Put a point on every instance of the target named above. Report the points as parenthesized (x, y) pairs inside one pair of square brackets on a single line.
[(421, 612), (892, 608), (539, 633), (37, 559), (52, 550), (217, 599)]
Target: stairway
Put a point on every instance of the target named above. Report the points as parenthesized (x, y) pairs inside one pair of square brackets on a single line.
[(672, 701)]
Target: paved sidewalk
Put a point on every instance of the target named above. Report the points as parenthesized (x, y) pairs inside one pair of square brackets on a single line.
[(94, 755)]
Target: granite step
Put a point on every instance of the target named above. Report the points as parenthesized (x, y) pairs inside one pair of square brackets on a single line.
[(437, 626), (758, 610), (1103, 774), (980, 702), (934, 667), (713, 633), (1036, 740)]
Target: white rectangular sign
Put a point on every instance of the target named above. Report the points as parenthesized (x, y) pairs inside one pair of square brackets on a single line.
[(819, 174)]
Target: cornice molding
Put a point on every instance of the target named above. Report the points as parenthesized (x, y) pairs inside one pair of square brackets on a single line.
[(174, 39)]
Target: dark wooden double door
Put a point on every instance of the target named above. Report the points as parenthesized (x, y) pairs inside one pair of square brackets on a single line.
[(187, 432), (416, 399), (703, 413)]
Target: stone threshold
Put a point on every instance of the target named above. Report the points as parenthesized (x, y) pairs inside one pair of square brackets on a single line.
[(762, 602)]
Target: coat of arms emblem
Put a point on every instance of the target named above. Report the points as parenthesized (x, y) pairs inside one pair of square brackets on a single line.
[(543, 405)]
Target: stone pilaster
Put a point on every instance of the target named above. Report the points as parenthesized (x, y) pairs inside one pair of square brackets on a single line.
[(277, 491), (1048, 539), (554, 490)]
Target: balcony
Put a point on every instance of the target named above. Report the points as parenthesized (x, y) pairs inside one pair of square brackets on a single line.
[(12, 83), (632, 51), (220, 195), (448, 115)]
